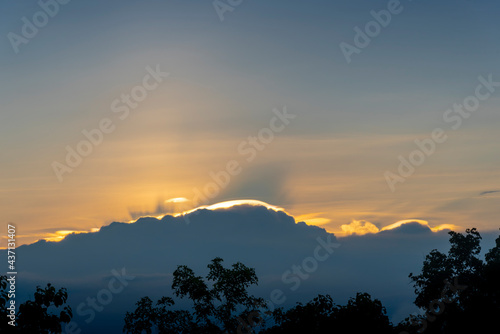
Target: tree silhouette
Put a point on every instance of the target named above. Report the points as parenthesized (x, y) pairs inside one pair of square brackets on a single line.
[(309, 318), (321, 315), (458, 291), (35, 316), (224, 306)]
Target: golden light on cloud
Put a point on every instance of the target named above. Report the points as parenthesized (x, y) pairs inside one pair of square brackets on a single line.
[(229, 204), (358, 227), (362, 227), (53, 237), (423, 223), (216, 206), (177, 200), (59, 235), (406, 221), (312, 219), (445, 227)]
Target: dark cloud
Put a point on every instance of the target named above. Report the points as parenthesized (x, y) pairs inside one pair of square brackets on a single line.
[(268, 240), (489, 192)]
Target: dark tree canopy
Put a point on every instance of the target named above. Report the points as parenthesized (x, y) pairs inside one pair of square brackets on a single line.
[(321, 315), (221, 303), (459, 291), (44, 315)]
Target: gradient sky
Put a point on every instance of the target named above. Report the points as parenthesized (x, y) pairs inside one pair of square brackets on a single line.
[(353, 120)]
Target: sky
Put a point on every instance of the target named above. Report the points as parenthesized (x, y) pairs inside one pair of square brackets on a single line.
[(296, 104)]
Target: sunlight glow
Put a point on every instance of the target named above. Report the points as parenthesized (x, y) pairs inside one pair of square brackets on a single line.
[(358, 227), (59, 235), (177, 200), (402, 222), (216, 206), (229, 204), (423, 223), (312, 219)]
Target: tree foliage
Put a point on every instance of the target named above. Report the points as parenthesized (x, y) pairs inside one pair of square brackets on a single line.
[(458, 291), (221, 302), (44, 315), (321, 315)]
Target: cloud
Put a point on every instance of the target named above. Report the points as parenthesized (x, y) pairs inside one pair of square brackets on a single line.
[(266, 182), (489, 192), (362, 227), (313, 219), (50, 234), (359, 227), (172, 205), (61, 234), (418, 225), (177, 200), (257, 234)]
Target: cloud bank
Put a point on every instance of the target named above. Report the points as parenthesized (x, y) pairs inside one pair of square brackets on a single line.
[(142, 255)]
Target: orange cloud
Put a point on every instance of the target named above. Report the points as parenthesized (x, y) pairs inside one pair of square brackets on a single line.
[(359, 227)]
